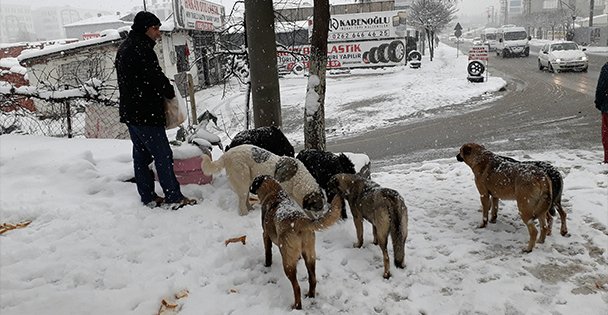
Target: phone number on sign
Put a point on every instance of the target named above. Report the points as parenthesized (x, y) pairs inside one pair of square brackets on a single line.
[(359, 35)]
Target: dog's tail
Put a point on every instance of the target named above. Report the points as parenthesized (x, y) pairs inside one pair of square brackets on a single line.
[(210, 167), (557, 185), (330, 217), (399, 227)]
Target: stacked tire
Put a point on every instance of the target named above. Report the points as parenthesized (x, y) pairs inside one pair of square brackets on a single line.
[(385, 53)]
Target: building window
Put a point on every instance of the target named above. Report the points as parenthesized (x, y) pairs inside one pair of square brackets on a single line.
[(550, 4)]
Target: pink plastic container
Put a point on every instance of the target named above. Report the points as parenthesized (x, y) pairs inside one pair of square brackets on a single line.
[(188, 171)]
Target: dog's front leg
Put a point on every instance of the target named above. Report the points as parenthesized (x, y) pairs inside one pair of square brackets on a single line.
[(358, 220), (267, 250), (244, 204), (485, 208)]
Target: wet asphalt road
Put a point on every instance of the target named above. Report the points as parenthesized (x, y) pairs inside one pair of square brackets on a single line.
[(537, 110)]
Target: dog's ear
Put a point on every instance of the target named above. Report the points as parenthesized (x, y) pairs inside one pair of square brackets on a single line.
[(257, 183), (466, 150)]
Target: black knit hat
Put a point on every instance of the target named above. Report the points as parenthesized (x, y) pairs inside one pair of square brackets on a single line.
[(143, 20)]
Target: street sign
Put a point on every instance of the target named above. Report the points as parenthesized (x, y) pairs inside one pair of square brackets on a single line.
[(457, 30), (478, 53)]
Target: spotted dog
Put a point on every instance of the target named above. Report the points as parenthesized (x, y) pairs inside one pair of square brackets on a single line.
[(244, 162)]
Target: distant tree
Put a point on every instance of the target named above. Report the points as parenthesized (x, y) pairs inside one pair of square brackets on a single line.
[(432, 16)]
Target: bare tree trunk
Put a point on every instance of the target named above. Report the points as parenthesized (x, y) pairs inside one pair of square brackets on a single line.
[(264, 78), (314, 109), (431, 37)]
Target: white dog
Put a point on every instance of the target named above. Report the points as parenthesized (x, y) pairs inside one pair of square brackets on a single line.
[(245, 162)]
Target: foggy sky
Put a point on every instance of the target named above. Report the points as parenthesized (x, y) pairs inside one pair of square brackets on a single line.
[(467, 7)]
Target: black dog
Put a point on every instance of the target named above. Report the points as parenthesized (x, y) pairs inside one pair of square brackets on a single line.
[(322, 165), (269, 138)]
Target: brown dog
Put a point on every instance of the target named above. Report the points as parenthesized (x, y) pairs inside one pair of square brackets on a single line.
[(499, 178), (292, 229), (383, 207)]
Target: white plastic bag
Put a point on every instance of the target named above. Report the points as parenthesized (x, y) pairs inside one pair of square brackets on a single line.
[(175, 110)]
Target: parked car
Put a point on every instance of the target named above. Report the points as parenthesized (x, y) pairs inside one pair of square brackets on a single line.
[(561, 56), (477, 41)]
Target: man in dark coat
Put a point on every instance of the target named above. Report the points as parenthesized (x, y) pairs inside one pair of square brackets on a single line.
[(143, 88), (601, 103)]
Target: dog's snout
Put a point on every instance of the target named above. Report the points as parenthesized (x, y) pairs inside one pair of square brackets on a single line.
[(459, 158)]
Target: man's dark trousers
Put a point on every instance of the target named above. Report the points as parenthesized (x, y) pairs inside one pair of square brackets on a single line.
[(150, 143)]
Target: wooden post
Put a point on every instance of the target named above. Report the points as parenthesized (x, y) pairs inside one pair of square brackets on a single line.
[(192, 100), (68, 114)]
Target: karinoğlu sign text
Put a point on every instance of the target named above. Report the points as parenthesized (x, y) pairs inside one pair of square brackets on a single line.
[(362, 26)]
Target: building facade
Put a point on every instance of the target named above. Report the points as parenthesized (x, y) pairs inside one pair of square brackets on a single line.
[(16, 24), (49, 21)]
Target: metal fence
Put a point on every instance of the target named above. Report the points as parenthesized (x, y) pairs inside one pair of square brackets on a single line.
[(74, 118)]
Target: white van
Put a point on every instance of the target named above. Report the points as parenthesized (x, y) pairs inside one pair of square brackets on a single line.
[(512, 41), (488, 36)]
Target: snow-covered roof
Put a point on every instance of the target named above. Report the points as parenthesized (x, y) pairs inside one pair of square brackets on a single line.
[(104, 19), (13, 65), (109, 35), (283, 27), (167, 25), (292, 4)]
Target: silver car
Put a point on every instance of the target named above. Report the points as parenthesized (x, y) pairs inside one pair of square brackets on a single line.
[(561, 56)]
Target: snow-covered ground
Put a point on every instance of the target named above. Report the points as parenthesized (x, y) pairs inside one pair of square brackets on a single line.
[(92, 248)]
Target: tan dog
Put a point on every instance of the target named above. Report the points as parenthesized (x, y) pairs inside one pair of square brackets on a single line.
[(383, 207), (290, 228), (557, 184), (244, 162), (499, 178)]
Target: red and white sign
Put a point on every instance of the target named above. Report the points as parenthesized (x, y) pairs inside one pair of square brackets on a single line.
[(197, 15), (478, 53), (361, 54), (86, 36)]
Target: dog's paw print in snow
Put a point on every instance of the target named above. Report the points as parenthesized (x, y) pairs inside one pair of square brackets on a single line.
[(444, 250), (596, 225), (488, 278), (571, 249), (554, 273)]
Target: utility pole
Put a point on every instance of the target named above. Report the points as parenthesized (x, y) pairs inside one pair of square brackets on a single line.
[(591, 5), (504, 8)]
